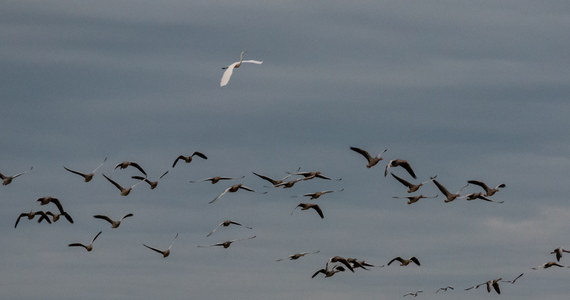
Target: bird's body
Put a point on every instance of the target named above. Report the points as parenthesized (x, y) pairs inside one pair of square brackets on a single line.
[(342, 260), (62, 212), (86, 176), (372, 160), (444, 289), (494, 284), (56, 216), (230, 69), (188, 159), (274, 182), (114, 223), (475, 196), (88, 247), (414, 294), (306, 206)]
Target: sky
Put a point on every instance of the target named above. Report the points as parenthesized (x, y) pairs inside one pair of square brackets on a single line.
[(465, 90)]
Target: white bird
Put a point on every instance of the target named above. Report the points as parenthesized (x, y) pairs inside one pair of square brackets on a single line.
[(230, 69)]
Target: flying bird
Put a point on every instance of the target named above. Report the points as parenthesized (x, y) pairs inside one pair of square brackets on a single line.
[(216, 179), (411, 187), (226, 244), (548, 265), (114, 224), (474, 196), (317, 195), (489, 284), (514, 280), (6, 180), (305, 206), (327, 272), (230, 69), (188, 159), (165, 253), (489, 191), (448, 196), (153, 184), (444, 289), (86, 176), (55, 216), (297, 255), (372, 160), (232, 189), (30, 215), (226, 223), (124, 191), (414, 199), (127, 164), (399, 163), (48, 200), (87, 247), (558, 252), (274, 182), (415, 294), (342, 260), (314, 174), (405, 262)]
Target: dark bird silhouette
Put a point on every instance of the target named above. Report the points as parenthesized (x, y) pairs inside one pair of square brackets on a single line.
[(399, 163), (405, 262), (87, 247), (232, 189), (489, 284), (216, 179), (165, 253), (226, 223), (411, 187), (30, 215), (489, 191), (55, 216), (274, 182), (305, 206), (342, 260), (475, 196), (558, 252), (297, 255), (6, 180), (372, 160), (226, 244), (317, 195), (114, 224), (448, 196), (415, 294), (127, 164), (314, 174), (124, 191), (414, 199), (86, 176), (153, 184), (188, 159), (48, 200), (548, 265), (444, 289), (327, 272)]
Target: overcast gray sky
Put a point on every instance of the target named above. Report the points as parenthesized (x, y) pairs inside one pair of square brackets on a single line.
[(461, 89)]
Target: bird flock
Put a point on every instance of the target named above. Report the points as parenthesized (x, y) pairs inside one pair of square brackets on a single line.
[(400, 170)]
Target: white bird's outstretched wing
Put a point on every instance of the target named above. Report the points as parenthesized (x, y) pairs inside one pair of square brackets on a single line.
[(251, 61), (228, 74)]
